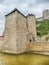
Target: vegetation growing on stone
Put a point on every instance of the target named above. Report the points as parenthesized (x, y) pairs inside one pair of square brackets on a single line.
[(43, 28), (47, 38)]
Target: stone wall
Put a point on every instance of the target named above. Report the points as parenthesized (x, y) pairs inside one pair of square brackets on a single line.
[(31, 20), (10, 35), (21, 33), (38, 46), (15, 37), (17, 29), (1, 43), (39, 19), (45, 14)]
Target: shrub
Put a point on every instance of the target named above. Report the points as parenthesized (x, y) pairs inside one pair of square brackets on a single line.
[(43, 28)]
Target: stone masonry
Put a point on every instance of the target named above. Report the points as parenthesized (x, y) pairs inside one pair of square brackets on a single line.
[(1, 43), (18, 29), (45, 14), (20, 34)]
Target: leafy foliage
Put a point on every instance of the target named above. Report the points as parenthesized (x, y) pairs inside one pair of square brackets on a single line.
[(43, 28)]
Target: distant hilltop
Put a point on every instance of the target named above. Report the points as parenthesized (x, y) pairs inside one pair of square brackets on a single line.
[(45, 15)]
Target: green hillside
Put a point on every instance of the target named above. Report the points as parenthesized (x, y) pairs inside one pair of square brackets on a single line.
[(43, 28)]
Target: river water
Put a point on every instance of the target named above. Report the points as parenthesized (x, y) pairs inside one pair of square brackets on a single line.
[(23, 59)]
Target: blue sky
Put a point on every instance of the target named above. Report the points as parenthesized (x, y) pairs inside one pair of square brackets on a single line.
[(25, 6)]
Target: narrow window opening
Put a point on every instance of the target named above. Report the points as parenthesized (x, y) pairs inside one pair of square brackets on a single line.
[(30, 40)]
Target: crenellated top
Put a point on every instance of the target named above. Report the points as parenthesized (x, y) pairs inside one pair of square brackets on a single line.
[(13, 11), (30, 15)]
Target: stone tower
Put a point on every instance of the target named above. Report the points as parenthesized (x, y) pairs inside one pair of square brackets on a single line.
[(15, 32), (31, 20), (18, 30), (45, 14)]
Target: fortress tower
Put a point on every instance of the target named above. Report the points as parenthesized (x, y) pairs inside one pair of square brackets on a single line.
[(18, 30), (15, 32), (31, 20), (45, 14)]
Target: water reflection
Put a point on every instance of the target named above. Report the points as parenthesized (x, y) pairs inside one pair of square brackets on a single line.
[(23, 59), (3, 61)]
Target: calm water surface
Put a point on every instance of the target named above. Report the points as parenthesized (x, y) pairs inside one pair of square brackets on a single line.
[(23, 59)]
